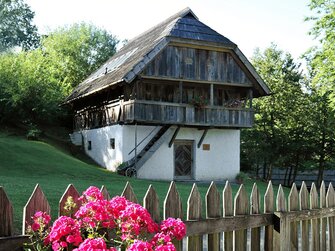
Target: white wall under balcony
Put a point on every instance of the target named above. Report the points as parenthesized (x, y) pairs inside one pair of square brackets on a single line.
[(101, 151), (220, 162), (124, 136)]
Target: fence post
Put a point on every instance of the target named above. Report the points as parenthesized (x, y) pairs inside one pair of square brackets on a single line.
[(228, 211), (129, 194), (151, 203), (323, 221), (303, 195), (6, 214), (213, 210), (173, 208), (70, 191), (315, 226), (285, 242), (105, 193), (255, 209), (282, 241), (194, 243), (241, 207), (36, 202), (330, 200), (293, 205), (268, 208)]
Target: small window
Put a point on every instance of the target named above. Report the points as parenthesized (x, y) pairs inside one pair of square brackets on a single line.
[(89, 145), (112, 143)]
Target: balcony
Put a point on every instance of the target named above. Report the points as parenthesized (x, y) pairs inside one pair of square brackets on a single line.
[(151, 112), (183, 114)]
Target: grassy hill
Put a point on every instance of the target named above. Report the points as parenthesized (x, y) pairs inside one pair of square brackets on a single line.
[(25, 163)]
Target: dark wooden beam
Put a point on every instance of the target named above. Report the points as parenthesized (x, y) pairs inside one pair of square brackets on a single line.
[(211, 91), (13, 242), (180, 92), (174, 136), (202, 138), (227, 224), (250, 94)]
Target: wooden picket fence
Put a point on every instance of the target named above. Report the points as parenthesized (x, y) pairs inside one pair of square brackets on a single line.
[(305, 220)]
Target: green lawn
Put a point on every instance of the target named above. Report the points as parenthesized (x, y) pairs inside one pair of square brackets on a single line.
[(25, 163)]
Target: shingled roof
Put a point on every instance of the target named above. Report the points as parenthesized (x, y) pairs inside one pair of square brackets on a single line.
[(127, 63)]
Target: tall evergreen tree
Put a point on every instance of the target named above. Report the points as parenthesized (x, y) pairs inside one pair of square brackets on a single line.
[(277, 139), (321, 69)]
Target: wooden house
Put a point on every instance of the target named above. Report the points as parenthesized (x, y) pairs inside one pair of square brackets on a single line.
[(169, 105)]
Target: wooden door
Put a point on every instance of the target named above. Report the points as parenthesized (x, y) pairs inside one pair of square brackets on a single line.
[(183, 159)]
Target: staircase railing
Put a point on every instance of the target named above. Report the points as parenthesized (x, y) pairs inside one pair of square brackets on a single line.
[(129, 169)]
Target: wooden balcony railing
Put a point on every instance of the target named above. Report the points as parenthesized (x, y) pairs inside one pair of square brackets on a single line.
[(151, 112), (184, 114)]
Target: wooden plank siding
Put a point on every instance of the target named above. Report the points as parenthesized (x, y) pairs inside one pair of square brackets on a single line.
[(196, 64)]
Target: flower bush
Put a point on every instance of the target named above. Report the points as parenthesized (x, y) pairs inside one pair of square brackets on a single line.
[(104, 225), (199, 102)]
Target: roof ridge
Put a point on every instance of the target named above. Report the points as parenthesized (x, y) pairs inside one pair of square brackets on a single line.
[(202, 25), (184, 12)]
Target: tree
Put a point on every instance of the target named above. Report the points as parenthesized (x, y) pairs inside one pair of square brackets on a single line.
[(29, 89), (321, 65), (322, 58), (16, 28), (277, 137), (34, 83), (80, 49), (323, 131)]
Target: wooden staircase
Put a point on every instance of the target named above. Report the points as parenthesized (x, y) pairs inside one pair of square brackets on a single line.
[(134, 164)]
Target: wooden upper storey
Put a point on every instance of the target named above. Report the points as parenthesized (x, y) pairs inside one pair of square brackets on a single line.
[(195, 64), (184, 36), (159, 76)]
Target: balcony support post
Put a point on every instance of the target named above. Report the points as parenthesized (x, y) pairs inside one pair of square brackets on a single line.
[(180, 92), (211, 102), (202, 137), (250, 98), (174, 136)]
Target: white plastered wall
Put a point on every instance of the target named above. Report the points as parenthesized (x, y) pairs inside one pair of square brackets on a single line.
[(221, 162), (101, 151), (124, 136)]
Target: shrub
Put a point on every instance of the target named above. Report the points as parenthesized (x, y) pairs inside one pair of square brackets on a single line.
[(241, 177), (33, 134)]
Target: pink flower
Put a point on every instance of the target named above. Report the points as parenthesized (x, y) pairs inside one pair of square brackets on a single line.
[(35, 226), (40, 221), (166, 247), (96, 213), (64, 231), (134, 220), (98, 219), (56, 246), (139, 245), (90, 194), (97, 244), (174, 228), (118, 204), (161, 238)]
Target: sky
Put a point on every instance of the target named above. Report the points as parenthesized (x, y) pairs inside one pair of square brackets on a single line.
[(248, 23)]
